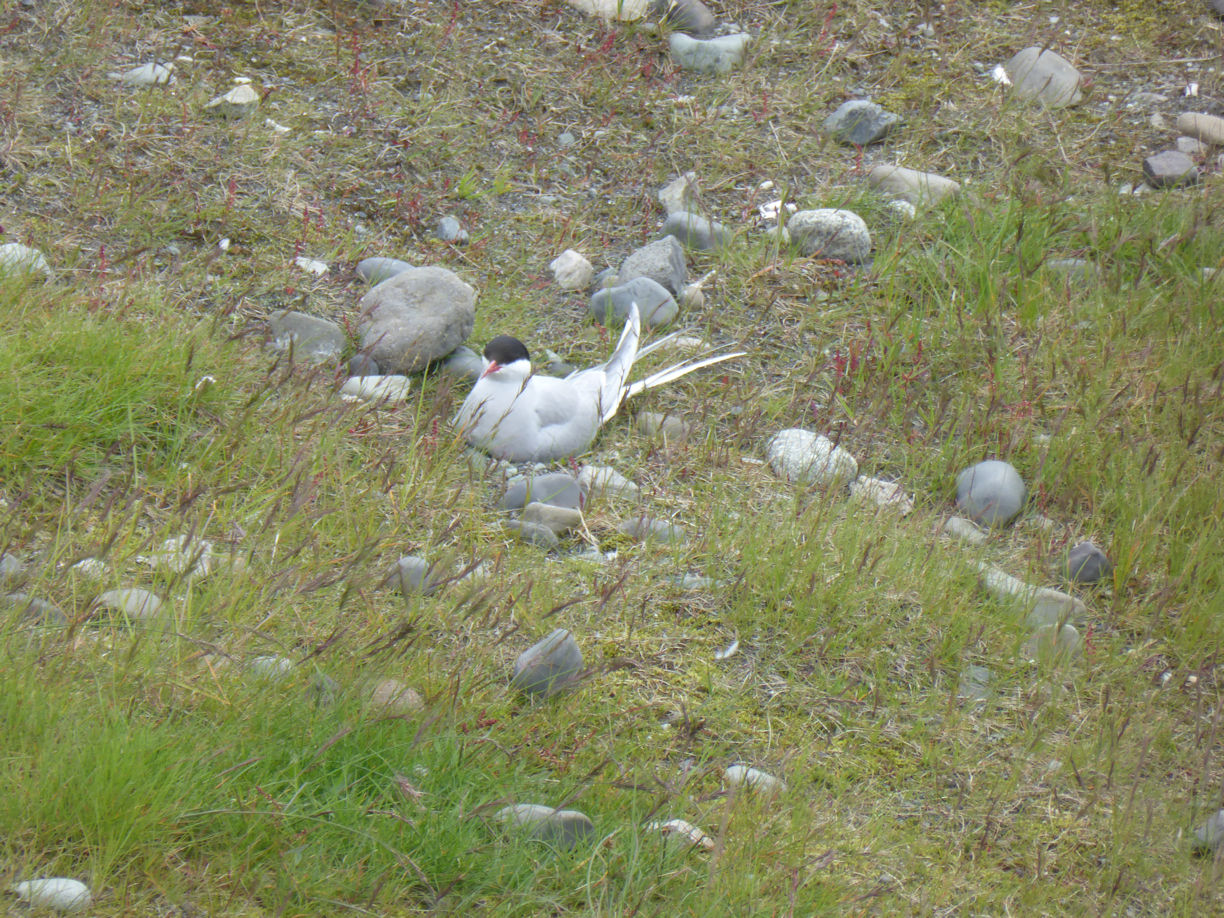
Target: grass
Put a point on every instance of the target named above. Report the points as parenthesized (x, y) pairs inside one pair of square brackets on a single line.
[(152, 761)]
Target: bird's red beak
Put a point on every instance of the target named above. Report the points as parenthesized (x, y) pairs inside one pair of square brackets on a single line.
[(493, 367)]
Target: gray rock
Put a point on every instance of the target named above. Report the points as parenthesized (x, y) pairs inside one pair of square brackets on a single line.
[(1086, 563), (696, 232), (561, 828), (555, 366), (411, 574), (58, 894), (1044, 76), (311, 339), (451, 230), (753, 779), (662, 261), (464, 363), (1041, 605), (136, 604), (680, 193), (1191, 146), (831, 233), (1207, 128), (1077, 268), (533, 534), (708, 55), (690, 16), (645, 528), (566, 139), (393, 697), (33, 609), (363, 365), (605, 278), (598, 479), (1057, 643), (272, 667), (557, 488), (990, 493), (655, 304), (1210, 835), (239, 102), (17, 259), (974, 684), (572, 271), (966, 530), (416, 317), (376, 270), (558, 519), (911, 185), (666, 426), (860, 122), (153, 73), (801, 456), (1169, 169), (11, 568), (548, 666), (391, 388)]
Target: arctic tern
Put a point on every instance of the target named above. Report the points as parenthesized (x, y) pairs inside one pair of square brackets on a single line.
[(512, 413)]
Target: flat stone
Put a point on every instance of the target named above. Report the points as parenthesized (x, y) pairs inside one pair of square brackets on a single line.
[(974, 684), (1191, 146), (559, 519), (680, 194), (533, 534), (690, 16), (1207, 128), (416, 317), (1040, 605), (1044, 76), (990, 493), (598, 479), (655, 303), (912, 185), (668, 427), (17, 259), (753, 779), (1077, 268), (311, 339), (966, 530), (376, 270), (644, 528), (239, 102), (696, 232), (887, 495), (682, 832), (860, 122), (557, 488), (1054, 644), (662, 261), (136, 604), (377, 388), (1170, 169), (708, 55), (1086, 563), (572, 271), (560, 828), (548, 666), (799, 455), (830, 233), (153, 73)]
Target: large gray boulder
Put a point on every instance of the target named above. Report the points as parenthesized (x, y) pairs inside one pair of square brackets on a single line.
[(416, 317)]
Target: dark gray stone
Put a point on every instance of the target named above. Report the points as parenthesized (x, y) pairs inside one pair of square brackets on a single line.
[(557, 488), (990, 493), (548, 666), (464, 363), (860, 122), (363, 365), (376, 270), (690, 16), (1210, 835), (831, 233), (33, 609), (312, 339), (662, 261), (533, 534), (1086, 563), (1170, 169), (696, 232), (655, 304), (411, 574), (418, 316)]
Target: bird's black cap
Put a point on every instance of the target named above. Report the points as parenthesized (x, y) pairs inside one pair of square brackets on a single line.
[(505, 349)]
